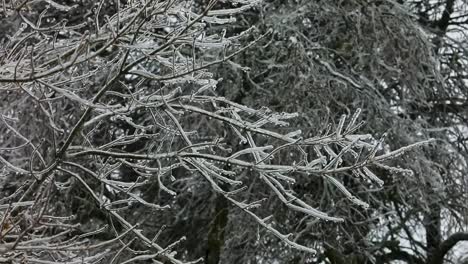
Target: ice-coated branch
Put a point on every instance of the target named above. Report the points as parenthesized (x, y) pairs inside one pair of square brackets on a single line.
[(119, 118)]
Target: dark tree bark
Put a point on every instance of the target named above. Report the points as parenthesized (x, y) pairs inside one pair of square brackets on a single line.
[(216, 234), (433, 230), (437, 256)]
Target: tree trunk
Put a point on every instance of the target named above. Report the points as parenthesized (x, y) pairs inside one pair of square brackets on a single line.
[(433, 233), (216, 233)]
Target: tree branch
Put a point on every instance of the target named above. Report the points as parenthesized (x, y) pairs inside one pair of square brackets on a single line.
[(446, 246), (399, 255)]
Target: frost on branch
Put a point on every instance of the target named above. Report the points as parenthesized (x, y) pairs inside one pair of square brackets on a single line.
[(97, 118)]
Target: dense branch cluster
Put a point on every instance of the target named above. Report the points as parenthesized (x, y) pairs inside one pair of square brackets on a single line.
[(113, 132)]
